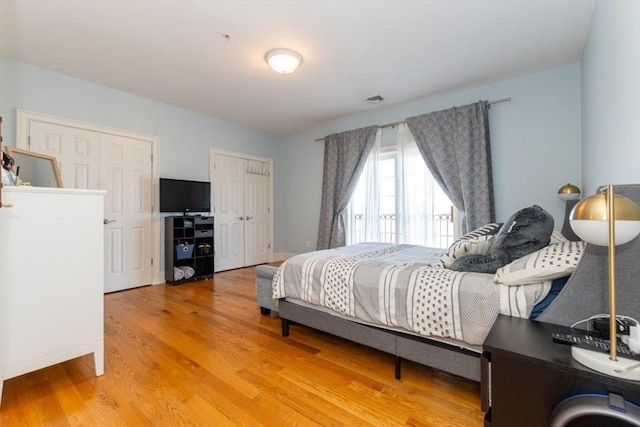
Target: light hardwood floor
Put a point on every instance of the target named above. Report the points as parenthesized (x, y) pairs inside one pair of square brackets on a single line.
[(200, 354)]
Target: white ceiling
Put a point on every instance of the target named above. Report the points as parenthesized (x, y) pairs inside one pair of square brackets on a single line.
[(174, 51)]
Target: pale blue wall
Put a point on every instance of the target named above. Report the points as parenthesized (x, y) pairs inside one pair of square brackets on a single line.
[(184, 136), (535, 148), (535, 137), (611, 96)]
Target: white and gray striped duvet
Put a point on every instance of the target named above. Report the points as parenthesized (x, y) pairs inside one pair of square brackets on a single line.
[(404, 286)]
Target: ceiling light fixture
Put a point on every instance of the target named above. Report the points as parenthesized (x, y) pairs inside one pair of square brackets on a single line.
[(283, 61)]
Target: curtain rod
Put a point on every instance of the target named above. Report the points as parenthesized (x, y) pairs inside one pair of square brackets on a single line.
[(497, 101)]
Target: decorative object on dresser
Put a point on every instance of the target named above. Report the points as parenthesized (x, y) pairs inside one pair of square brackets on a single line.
[(38, 170), (607, 219), (1, 164), (6, 165)]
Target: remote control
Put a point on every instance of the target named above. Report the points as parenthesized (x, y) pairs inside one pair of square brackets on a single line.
[(594, 343)]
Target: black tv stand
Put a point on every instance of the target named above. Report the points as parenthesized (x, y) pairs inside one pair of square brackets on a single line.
[(188, 250)]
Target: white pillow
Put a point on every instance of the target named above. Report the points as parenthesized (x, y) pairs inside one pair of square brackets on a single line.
[(551, 262)]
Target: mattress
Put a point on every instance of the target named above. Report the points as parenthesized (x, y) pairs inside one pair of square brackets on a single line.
[(403, 287)]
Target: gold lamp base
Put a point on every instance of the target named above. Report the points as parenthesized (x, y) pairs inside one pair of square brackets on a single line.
[(628, 369)]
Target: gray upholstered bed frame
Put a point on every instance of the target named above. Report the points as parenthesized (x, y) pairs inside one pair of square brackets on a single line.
[(584, 295)]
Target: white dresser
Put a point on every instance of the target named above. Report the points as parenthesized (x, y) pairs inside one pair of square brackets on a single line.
[(51, 278)]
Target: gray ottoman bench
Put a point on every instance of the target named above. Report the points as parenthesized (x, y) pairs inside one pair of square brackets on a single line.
[(264, 276)]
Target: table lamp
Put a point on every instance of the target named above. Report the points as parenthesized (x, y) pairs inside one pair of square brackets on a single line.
[(607, 219), (569, 192)]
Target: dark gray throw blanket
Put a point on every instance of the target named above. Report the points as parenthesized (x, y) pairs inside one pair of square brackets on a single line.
[(525, 232)]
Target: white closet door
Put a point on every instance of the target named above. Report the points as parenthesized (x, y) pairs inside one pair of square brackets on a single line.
[(228, 208), (242, 209), (123, 167), (77, 151), (257, 211), (126, 175)]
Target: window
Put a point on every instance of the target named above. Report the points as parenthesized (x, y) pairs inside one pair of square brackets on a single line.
[(396, 199)]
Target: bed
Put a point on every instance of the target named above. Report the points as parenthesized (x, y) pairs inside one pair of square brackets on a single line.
[(452, 343)]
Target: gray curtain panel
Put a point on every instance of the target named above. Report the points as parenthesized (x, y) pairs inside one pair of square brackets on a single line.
[(455, 145), (345, 155)]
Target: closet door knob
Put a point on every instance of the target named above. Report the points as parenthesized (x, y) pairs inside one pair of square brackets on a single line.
[(107, 221), (249, 217), (241, 218)]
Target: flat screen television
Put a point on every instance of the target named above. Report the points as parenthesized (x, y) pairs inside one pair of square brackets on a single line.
[(178, 195)]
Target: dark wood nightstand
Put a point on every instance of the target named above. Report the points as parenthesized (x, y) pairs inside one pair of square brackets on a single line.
[(526, 375)]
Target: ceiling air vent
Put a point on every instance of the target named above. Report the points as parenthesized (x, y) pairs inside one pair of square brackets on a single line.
[(375, 99)]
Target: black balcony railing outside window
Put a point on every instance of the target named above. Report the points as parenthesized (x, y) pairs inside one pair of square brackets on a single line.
[(442, 229)]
